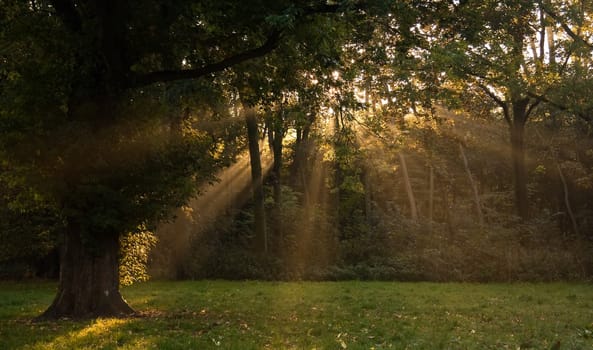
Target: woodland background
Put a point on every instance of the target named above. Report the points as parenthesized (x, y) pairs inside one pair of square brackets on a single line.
[(407, 140)]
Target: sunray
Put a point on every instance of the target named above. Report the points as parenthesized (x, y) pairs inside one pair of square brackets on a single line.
[(314, 208), (229, 192)]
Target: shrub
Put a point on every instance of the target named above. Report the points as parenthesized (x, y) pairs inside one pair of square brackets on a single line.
[(133, 262)]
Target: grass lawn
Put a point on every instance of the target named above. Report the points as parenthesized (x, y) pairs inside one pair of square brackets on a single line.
[(328, 315)]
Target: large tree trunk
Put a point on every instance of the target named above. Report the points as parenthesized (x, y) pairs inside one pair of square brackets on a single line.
[(261, 239), (89, 263), (89, 279), (518, 157)]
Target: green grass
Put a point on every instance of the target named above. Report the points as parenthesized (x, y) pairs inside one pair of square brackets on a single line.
[(340, 315)]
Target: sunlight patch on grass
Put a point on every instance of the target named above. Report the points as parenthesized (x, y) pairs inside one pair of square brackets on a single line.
[(102, 331)]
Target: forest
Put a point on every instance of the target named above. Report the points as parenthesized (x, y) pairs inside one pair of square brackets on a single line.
[(392, 140)]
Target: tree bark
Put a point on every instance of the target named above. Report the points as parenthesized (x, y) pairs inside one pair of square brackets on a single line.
[(261, 238), (89, 279)]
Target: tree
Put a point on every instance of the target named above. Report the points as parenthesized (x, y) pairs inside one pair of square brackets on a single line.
[(496, 55), (569, 31), (85, 118)]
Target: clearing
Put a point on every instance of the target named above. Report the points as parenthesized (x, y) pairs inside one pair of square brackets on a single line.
[(313, 315)]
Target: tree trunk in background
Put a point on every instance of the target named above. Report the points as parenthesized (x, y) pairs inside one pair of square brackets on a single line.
[(473, 185), (368, 194), (551, 45), (276, 136), (277, 166), (259, 225), (449, 220), (89, 279), (338, 176), (575, 226), (430, 197), (518, 157), (411, 199), (301, 150)]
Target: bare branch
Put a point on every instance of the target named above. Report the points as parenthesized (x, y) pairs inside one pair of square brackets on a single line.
[(498, 101), (491, 94)]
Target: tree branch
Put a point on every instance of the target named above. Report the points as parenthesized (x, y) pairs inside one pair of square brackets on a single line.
[(566, 27), (268, 46), (559, 106), (532, 107), (172, 75), (498, 101)]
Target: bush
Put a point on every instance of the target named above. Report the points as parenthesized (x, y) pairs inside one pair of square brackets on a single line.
[(133, 262)]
